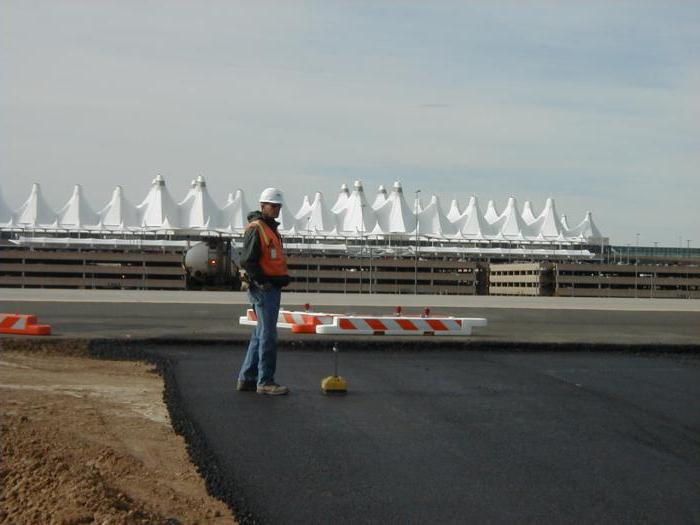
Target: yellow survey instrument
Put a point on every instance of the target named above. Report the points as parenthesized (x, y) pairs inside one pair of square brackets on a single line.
[(334, 384)]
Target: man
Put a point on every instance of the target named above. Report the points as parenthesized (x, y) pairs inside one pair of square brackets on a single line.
[(264, 261)]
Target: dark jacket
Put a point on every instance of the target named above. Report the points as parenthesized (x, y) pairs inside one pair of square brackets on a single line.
[(250, 255)]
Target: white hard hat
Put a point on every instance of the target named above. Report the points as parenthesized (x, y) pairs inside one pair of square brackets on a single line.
[(271, 195)]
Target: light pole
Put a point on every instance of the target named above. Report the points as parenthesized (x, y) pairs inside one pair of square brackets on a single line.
[(371, 278), (636, 263), (656, 266), (308, 231), (415, 251), (362, 240), (687, 274)]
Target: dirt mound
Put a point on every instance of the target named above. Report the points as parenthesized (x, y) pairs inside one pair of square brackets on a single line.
[(87, 441)]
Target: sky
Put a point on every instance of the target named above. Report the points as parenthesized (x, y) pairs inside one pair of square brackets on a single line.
[(595, 104)]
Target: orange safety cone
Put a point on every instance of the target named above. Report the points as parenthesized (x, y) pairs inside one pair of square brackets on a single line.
[(22, 324)]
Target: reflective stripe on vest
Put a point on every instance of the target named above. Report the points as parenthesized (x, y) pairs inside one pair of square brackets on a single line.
[(272, 259)]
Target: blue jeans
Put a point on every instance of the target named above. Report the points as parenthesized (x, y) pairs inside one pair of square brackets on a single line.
[(261, 359)]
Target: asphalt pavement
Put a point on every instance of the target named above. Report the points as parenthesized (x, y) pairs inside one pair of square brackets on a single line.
[(451, 437), (602, 428)]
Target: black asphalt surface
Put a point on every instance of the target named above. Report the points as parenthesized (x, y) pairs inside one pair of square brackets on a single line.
[(433, 429), (448, 437), (142, 320)]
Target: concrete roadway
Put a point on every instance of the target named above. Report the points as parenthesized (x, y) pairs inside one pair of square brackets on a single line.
[(214, 315), (454, 437)]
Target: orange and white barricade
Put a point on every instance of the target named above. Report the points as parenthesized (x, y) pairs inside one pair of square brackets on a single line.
[(370, 325), (22, 324), (341, 324), (299, 322)]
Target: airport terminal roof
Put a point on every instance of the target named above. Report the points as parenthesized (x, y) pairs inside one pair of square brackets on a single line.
[(349, 215)]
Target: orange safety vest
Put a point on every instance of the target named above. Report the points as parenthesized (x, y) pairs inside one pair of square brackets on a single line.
[(272, 259)]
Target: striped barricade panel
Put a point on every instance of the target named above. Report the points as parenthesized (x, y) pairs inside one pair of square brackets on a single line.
[(338, 324), (351, 325), (298, 322)]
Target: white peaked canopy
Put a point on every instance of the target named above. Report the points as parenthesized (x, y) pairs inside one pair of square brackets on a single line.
[(547, 224), (198, 209), (342, 199), (6, 216), (395, 215), (432, 221), (586, 229), (564, 223), (286, 219), (119, 212), (305, 208), (491, 215), (417, 205), (380, 199), (528, 216), (158, 209), (235, 212), (76, 213), (512, 225), (357, 217), (472, 224), (351, 215), (317, 219), (35, 212), (455, 213)]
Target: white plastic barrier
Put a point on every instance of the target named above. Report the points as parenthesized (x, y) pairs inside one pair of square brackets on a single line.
[(340, 324)]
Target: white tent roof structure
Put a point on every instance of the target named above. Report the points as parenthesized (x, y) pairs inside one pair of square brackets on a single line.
[(158, 209), (119, 213), (586, 229), (286, 219), (77, 214), (198, 209), (417, 205), (35, 212), (317, 218), (395, 216), (564, 223), (491, 215), (512, 225), (380, 199), (235, 212), (528, 216), (388, 217), (454, 213), (432, 222), (342, 199), (305, 208), (472, 224), (357, 217), (547, 226)]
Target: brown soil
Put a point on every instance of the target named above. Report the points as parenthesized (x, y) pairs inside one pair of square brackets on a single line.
[(89, 441)]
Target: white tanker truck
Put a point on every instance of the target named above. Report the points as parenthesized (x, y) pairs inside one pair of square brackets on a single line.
[(210, 265)]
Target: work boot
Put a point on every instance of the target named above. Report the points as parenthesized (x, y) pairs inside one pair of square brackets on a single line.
[(246, 386), (272, 389)]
